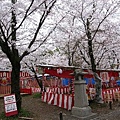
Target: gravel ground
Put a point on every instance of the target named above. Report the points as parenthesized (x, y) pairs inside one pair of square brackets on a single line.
[(43, 111)]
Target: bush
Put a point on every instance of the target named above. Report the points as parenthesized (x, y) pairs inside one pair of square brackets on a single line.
[(37, 95)]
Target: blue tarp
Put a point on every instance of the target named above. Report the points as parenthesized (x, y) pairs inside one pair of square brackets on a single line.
[(65, 81), (118, 82), (89, 80)]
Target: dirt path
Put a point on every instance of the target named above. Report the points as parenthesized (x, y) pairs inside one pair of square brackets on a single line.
[(41, 110)]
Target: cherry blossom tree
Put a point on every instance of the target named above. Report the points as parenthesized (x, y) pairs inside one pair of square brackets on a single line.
[(22, 24), (91, 35)]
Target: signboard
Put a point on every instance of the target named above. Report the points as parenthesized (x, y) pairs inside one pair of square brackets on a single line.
[(104, 76), (10, 105)]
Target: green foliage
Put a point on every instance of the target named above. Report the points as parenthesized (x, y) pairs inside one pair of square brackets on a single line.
[(37, 95), (22, 113), (50, 52), (57, 50)]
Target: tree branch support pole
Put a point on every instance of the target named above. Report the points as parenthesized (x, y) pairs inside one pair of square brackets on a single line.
[(81, 108)]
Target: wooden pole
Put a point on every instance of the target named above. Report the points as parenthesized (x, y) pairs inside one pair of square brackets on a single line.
[(61, 116)]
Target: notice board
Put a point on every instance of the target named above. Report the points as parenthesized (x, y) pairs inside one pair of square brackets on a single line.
[(10, 105)]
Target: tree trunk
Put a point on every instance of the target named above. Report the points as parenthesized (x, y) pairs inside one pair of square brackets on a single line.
[(15, 84), (98, 85), (15, 61), (39, 82)]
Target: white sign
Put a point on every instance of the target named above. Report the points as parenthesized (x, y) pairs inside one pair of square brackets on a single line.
[(10, 105), (9, 99), (104, 76)]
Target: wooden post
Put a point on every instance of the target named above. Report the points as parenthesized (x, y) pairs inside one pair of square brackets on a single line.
[(110, 105), (61, 116)]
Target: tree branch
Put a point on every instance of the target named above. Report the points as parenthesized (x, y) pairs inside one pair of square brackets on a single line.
[(2, 33), (42, 19)]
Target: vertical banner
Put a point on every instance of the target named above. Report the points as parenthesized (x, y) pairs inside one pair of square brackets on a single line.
[(104, 76), (10, 105)]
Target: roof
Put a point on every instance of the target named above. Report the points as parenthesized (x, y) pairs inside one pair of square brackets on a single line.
[(57, 66), (115, 70)]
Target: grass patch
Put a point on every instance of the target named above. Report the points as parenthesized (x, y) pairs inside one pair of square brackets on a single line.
[(23, 113), (3, 117), (37, 95)]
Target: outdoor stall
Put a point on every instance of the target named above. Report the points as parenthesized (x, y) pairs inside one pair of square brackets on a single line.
[(5, 82), (61, 91)]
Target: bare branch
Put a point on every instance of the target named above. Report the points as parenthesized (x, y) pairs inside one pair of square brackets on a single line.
[(42, 19), (108, 12), (3, 33), (26, 14)]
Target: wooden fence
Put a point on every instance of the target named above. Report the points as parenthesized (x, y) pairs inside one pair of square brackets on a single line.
[(5, 89)]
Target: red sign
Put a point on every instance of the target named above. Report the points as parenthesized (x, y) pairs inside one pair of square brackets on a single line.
[(10, 105)]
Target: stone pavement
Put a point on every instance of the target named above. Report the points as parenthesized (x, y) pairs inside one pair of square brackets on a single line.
[(113, 115)]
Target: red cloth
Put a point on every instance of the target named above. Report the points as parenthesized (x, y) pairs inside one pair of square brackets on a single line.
[(65, 73)]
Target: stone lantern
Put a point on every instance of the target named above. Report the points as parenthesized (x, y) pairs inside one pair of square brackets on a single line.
[(81, 108)]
